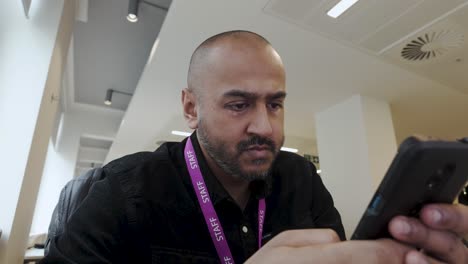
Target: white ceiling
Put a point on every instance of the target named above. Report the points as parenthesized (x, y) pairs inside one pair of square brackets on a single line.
[(107, 52), (323, 67), (110, 52), (383, 28)]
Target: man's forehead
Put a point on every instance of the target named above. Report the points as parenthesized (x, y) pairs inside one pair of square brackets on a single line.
[(241, 62)]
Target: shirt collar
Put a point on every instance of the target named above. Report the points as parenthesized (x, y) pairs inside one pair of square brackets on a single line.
[(260, 188)]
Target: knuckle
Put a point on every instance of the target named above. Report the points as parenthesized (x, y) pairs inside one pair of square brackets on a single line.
[(389, 249), (453, 243), (418, 231), (332, 236)]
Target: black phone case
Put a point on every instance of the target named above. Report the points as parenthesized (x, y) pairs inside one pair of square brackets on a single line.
[(422, 172)]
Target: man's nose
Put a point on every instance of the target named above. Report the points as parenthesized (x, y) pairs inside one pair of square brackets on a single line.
[(261, 124)]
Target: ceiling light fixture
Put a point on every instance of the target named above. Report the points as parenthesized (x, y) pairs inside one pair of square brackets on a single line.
[(109, 94), (341, 7), (133, 5), (108, 100), (180, 133), (293, 150), (319, 171)]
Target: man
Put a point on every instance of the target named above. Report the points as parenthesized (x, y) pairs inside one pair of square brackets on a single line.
[(227, 190)]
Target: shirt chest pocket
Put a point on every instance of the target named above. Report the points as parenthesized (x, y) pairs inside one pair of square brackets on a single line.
[(173, 255)]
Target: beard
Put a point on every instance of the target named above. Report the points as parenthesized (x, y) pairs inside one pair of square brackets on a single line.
[(230, 162)]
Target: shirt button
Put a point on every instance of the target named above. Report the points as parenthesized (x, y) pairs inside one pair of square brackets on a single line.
[(245, 229)]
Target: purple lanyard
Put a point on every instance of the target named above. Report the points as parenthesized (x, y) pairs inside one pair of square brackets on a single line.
[(211, 218)]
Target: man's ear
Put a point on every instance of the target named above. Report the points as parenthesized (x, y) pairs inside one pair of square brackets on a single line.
[(189, 104)]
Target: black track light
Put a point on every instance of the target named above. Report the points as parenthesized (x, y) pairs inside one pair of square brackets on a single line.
[(132, 15)]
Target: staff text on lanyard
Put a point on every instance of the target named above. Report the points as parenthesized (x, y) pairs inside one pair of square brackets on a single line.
[(209, 213)]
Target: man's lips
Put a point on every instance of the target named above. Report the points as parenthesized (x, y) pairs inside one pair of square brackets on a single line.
[(259, 152), (259, 148)]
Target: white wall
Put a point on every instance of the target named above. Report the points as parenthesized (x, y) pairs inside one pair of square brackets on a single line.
[(380, 135), (61, 159), (303, 145), (53, 179), (356, 143), (92, 155), (32, 56)]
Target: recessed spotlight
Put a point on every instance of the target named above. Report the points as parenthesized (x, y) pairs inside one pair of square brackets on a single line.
[(341, 7)]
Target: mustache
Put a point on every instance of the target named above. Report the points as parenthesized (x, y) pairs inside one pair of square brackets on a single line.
[(255, 141)]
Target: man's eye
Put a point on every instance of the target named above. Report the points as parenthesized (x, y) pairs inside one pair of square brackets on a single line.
[(276, 106), (238, 106)]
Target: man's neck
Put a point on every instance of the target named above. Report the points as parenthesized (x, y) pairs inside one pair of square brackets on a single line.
[(237, 188)]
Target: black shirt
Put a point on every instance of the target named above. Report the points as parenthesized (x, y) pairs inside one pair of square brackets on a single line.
[(146, 211)]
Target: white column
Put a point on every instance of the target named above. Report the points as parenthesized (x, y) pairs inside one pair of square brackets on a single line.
[(32, 53), (356, 144)]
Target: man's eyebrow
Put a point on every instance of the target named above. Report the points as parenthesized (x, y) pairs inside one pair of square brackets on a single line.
[(278, 95), (249, 95), (239, 93)]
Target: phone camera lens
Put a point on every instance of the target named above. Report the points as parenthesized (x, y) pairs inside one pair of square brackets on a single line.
[(463, 198), (432, 184), (440, 176)]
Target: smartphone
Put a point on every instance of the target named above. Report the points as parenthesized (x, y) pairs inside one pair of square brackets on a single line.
[(422, 172)]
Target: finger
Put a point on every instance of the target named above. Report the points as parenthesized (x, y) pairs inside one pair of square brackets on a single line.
[(383, 251), (366, 251), (304, 237), (416, 257), (450, 217), (438, 243)]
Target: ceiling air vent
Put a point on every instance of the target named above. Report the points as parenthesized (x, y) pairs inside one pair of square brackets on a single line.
[(432, 45)]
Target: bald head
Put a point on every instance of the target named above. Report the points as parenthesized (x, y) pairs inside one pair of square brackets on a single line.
[(235, 99), (221, 49)]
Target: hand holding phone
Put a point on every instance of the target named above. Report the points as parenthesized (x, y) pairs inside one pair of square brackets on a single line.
[(422, 172)]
